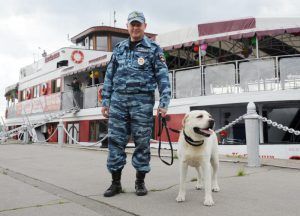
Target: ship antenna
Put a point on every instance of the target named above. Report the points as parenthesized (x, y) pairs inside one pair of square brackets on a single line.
[(109, 17), (115, 18)]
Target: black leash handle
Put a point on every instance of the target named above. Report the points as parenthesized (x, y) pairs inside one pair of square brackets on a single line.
[(162, 123)]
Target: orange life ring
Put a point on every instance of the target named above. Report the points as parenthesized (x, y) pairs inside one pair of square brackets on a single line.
[(100, 95), (28, 94), (44, 88), (77, 56)]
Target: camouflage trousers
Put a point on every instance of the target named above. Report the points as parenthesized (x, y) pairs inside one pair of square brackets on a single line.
[(130, 114)]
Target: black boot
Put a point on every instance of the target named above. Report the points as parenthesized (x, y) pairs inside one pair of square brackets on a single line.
[(115, 187), (140, 188)]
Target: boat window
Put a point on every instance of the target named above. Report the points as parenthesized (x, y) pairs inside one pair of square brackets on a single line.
[(24, 95), (102, 43), (116, 39), (36, 91), (55, 85), (62, 63), (81, 43), (91, 43), (58, 84), (288, 115), (98, 130)]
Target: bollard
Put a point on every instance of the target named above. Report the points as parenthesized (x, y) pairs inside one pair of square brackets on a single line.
[(26, 136), (60, 130), (252, 135), (34, 135)]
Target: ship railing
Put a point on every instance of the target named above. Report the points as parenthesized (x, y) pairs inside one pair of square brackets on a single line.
[(263, 74), (46, 104), (70, 99), (92, 96), (88, 97)]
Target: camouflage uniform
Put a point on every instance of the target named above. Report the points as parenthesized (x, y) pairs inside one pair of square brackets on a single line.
[(131, 79)]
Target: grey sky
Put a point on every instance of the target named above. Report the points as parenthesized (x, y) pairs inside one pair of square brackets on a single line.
[(26, 25)]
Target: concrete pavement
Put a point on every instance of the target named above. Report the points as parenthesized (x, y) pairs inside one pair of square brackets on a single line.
[(40, 179)]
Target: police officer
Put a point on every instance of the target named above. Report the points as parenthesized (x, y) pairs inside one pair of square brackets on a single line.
[(136, 68)]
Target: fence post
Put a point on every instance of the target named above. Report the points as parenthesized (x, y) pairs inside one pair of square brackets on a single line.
[(252, 135), (60, 130)]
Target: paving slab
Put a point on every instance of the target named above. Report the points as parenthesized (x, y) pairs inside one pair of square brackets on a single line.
[(79, 177)]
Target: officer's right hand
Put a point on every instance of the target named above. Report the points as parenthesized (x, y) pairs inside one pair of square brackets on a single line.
[(105, 111), (162, 111)]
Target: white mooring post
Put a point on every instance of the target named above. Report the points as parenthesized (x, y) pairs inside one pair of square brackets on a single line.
[(252, 135), (26, 136), (60, 130)]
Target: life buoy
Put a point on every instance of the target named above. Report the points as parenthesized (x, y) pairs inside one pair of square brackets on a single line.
[(44, 88), (100, 95), (77, 56), (28, 94)]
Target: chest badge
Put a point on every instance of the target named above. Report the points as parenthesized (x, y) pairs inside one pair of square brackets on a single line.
[(141, 61)]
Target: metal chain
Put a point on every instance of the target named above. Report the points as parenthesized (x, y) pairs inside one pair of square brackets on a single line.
[(231, 124), (79, 143), (49, 117), (279, 126), (46, 140), (13, 132)]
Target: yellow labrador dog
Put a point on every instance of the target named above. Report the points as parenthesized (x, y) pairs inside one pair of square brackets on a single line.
[(198, 147)]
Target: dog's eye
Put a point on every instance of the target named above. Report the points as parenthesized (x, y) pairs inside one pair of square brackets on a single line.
[(200, 116)]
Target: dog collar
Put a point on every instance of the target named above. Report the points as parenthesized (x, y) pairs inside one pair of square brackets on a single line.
[(190, 141)]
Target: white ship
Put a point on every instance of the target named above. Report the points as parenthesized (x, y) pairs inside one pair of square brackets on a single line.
[(241, 61)]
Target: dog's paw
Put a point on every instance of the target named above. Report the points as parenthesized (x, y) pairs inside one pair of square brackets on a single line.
[(208, 201), (215, 188), (199, 186), (180, 198)]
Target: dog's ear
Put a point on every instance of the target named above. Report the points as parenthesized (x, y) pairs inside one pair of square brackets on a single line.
[(184, 119)]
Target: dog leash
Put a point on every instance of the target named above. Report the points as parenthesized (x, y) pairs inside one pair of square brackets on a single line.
[(162, 123)]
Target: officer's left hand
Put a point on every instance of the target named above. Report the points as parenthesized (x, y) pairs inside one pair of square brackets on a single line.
[(162, 111)]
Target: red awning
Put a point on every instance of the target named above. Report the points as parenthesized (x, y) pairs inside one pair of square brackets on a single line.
[(273, 32), (292, 30), (226, 26)]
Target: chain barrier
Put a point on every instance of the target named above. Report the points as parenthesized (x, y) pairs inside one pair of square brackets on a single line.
[(279, 126), (46, 140), (263, 119), (231, 124), (8, 134), (79, 143)]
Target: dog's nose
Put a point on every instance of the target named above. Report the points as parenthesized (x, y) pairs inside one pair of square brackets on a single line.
[(211, 123)]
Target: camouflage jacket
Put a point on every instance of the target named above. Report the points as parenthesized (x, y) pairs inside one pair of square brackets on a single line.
[(140, 70)]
